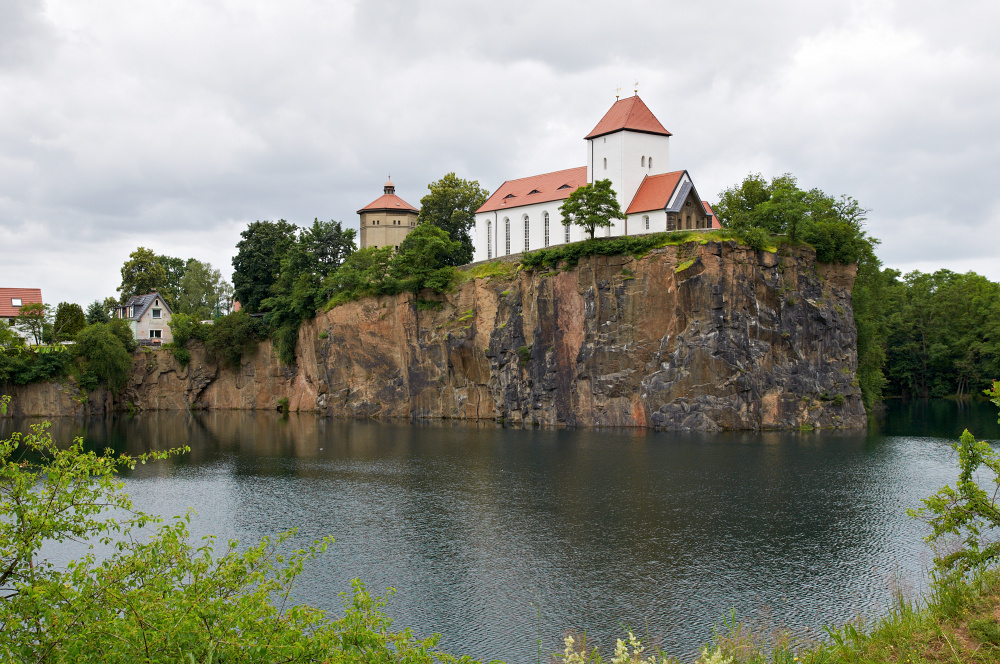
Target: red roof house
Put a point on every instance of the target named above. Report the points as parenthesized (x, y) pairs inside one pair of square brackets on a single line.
[(12, 299)]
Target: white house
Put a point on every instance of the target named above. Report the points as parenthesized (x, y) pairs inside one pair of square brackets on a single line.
[(149, 317), (628, 146)]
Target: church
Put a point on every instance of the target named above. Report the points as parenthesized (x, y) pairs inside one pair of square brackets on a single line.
[(628, 146)]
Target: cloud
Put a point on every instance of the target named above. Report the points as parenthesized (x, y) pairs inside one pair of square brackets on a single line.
[(172, 125)]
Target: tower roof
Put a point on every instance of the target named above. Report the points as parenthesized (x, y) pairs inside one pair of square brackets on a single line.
[(388, 203), (629, 114)]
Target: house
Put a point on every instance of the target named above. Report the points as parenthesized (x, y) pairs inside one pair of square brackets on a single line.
[(12, 299), (387, 220), (148, 316), (628, 146)]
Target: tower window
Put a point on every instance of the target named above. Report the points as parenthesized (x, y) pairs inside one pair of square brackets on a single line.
[(527, 228), (545, 217), (650, 162), (643, 161)]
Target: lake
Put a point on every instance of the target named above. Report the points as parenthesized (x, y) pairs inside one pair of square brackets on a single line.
[(497, 537)]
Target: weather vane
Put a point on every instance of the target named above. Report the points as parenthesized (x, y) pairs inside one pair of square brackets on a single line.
[(637, 87), (618, 93)]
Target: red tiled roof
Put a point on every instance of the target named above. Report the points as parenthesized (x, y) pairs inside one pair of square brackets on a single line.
[(631, 115), (654, 192), (715, 218), (550, 186), (27, 295), (390, 202)]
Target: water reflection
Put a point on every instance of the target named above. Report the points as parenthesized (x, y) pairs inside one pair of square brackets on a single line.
[(478, 526)]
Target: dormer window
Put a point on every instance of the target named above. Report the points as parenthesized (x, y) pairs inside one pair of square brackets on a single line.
[(15, 301), (565, 186), (534, 191), (509, 196)]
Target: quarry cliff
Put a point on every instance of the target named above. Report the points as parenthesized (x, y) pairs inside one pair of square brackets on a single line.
[(698, 336)]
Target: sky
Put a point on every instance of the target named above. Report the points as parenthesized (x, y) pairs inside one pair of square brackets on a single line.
[(173, 125)]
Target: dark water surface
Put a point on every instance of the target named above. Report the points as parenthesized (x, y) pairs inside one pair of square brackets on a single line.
[(494, 536)]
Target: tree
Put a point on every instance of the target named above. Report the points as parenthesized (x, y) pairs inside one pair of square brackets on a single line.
[(423, 259), (592, 206), (199, 290), (451, 206), (328, 243), (106, 354), (174, 269), (99, 312), (32, 319), (258, 260), (9, 339), (69, 320), (142, 273)]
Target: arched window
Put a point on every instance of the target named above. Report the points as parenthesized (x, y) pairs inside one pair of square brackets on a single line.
[(545, 218), (643, 162), (645, 221), (567, 233), (506, 223), (527, 228), (489, 239), (605, 163), (650, 163)]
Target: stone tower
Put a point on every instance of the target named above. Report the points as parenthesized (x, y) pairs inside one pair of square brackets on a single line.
[(387, 220)]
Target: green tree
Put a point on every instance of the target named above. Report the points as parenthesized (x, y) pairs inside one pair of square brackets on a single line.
[(199, 290), (328, 243), (423, 259), (105, 354), (365, 272), (257, 263), (592, 206), (9, 339), (32, 319), (142, 273), (451, 206), (99, 312), (173, 268), (231, 336), (68, 321)]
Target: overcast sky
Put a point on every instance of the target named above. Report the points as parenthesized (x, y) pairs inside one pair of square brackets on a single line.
[(171, 125)]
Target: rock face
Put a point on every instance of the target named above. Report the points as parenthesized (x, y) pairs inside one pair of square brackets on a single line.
[(698, 336)]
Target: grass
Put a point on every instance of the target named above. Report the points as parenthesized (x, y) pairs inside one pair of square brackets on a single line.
[(489, 271), (956, 625)]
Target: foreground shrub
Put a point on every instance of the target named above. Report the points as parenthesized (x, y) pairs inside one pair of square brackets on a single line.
[(160, 598)]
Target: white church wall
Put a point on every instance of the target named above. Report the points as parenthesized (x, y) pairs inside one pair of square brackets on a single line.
[(494, 223)]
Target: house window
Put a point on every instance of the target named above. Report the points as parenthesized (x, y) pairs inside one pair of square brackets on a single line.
[(643, 161), (156, 313), (645, 221), (156, 303), (15, 301), (489, 239), (156, 334), (545, 217), (506, 224), (527, 227), (605, 163)]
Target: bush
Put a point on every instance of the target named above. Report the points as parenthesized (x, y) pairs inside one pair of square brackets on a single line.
[(230, 336), (572, 253), (23, 366), (105, 354), (121, 329), (755, 238), (184, 328)]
